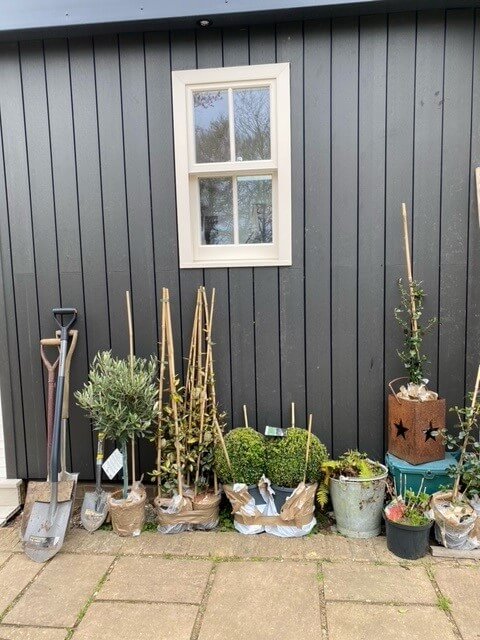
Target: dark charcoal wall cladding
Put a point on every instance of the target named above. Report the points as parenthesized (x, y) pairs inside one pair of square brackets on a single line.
[(385, 109)]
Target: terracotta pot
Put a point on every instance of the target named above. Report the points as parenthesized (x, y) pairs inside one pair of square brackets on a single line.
[(128, 517), (414, 429)]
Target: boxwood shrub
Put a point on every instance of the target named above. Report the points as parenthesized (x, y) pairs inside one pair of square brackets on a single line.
[(286, 458), (246, 450)]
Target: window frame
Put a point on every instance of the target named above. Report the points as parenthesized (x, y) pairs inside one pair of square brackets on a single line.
[(192, 253)]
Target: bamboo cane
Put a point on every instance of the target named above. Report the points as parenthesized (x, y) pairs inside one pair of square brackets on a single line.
[(293, 415), (307, 453), (456, 486), (408, 262), (245, 415), (131, 356), (213, 396), (191, 371), (208, 340), (173, 390), (160, 396)]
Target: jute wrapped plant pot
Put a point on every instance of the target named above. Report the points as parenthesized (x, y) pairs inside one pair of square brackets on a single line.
[(178, 514), (128, 516)]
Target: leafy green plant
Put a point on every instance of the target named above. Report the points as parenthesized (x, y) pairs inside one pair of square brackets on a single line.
[(121, 400), (412, 358), (286, 458), (351, 464), (467, 470), (246, 450)]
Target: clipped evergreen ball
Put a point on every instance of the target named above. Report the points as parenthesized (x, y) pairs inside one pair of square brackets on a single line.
[(286, 458), (246, 450)]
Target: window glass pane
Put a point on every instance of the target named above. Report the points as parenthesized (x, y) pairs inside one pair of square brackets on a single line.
[(252, 123), (254, 209), (216, 210), (212, 138)]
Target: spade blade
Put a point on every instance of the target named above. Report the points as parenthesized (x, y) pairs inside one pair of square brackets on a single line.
[(94, 510)]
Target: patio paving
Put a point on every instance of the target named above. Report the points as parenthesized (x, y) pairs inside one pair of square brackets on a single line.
[(209, 586)]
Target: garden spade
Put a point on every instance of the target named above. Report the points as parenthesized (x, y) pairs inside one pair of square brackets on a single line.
[(95, 503), (50, 514)]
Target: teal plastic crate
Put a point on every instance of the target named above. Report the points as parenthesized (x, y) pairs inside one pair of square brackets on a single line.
[(434, 474)]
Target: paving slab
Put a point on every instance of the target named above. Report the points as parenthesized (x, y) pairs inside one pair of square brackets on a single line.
[(462, 585), (31, 633), (337, 548), (4, 557), (153, 543), (142, 621), (265, 600), (9, 538), (14, 576), (156, 579), (56, 597), (377, 583), (356, 621), (80, 541), (362, 550)]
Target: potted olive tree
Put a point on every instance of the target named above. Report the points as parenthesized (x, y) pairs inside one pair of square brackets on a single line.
[(120, 398), (357, 489), (287, 463), (246, 461), (416, 415), (408, 523)]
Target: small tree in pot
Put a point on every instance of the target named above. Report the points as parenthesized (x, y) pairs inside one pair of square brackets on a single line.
[(416, 415), (287, 463), (120, 398), (246, 451)]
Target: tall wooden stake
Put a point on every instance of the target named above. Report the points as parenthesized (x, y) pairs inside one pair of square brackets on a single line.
[(408, 261), (160, 395), (130, 342), (307, 453)]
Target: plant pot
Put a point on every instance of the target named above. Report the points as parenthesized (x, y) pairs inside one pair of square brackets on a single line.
[(406, 541), (254, 491), (281, 494), (414, 429), (358, 505), (128, 517)]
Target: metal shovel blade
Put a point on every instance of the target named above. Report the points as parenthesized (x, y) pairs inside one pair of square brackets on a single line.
[(94, 510), (43, 539)]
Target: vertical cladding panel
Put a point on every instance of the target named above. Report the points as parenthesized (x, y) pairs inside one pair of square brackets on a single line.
[(68, 234), (265, 288), (371, 230), (184, 56), (137, 173), (399, 162), (210, 54), (344, 231), (455, 203), (159, 104), (112, 167), (473, 300), (92, 238), (317, 227), (242, 327), (427, 170), (292, 290), (30, 383), (12, 410)]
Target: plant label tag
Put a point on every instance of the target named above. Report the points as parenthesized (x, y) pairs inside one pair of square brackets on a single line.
[(277, 432), (113, 464)]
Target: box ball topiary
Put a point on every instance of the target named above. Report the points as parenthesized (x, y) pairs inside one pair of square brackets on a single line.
[(286, 458), (246, 450)]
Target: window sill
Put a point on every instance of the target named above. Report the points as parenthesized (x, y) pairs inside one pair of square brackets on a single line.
[(213, 264)]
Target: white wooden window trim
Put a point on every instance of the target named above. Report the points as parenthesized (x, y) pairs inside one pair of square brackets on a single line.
[(188, 171)]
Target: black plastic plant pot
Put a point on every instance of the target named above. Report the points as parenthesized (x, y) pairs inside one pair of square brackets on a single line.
[(281, 494), (254, 491), (406, 541)]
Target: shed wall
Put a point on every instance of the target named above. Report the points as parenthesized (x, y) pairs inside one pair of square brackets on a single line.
[(385, 109)]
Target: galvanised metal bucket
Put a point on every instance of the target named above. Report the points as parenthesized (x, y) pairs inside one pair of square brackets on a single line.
[(358, 505)]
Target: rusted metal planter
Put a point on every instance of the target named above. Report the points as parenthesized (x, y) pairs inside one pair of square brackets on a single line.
[(414, 429)]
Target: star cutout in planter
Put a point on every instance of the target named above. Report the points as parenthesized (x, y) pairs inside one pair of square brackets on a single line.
[(401, 430), (431, 433)]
